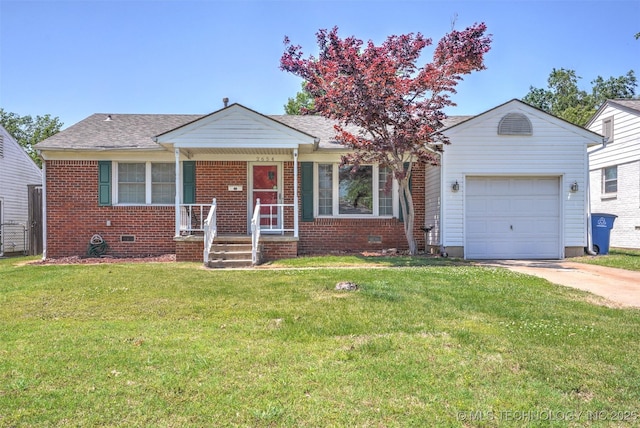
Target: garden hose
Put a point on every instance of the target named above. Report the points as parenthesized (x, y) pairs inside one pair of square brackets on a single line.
[(97, 246)]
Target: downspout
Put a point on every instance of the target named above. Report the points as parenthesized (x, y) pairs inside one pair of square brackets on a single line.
[(44, 208), (443, 249), (588, 206)]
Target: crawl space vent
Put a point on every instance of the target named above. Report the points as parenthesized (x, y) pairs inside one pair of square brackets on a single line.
[(515, 124), (127, 238)]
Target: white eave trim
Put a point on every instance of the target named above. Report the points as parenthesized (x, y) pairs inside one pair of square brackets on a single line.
[(232, 145)]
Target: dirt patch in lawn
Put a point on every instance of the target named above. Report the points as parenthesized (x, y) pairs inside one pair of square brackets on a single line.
[(77, 260)]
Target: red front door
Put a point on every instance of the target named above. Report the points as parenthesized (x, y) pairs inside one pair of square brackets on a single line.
[(266, 187)]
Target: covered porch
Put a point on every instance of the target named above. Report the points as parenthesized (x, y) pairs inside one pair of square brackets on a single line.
[(236, 181)]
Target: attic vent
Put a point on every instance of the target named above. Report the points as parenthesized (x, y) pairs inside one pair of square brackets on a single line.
[(1, 146), (515, 124)]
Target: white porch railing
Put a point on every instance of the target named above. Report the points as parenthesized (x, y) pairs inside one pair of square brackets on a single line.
[(255, 233), (272, 218), (192, 218), (210, 230)]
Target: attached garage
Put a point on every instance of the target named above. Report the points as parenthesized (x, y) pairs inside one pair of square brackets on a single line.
[(512, 184), (513, 217)]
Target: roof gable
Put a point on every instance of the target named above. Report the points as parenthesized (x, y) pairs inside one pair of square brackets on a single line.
[(235, 127), (516, 106), (13, 157), (629, 106)]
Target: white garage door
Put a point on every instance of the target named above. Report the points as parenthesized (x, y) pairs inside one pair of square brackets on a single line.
[(512, 218)]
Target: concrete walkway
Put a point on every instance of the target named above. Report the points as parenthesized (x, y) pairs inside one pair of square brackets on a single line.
[(620, 286)]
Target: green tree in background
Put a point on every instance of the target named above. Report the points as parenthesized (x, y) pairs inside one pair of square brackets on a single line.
[(29, 131), (301, 104), (563, 98)]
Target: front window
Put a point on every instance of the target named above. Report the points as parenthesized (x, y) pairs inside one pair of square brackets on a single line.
[(347, 191), (356, 190), (131, 188), (163, 183), (385, 191), (610, 179), (146, 183), (325, 189)]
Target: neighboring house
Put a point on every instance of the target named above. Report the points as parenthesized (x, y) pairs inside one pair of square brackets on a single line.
[(19, 177), (116, 176), (615, 169)]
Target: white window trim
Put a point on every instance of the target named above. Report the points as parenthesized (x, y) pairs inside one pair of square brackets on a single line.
[(147, 184), (604, 181), (336, 197)]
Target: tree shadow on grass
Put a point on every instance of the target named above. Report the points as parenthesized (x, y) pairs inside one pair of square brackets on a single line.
[(624, 252)]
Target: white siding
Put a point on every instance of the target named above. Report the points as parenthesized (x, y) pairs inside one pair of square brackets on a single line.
[(17, 171), (236, 127), (556, 149), (623, 152), (432, 204), (625, 146)]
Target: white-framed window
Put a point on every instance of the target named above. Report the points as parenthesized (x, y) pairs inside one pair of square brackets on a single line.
[(163, 183), (368, 191), (610, 179), (144, 183)]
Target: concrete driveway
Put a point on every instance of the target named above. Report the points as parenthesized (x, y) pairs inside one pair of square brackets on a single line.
[(622, 287)]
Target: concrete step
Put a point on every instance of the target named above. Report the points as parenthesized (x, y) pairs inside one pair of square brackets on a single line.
[(233, 254), (229, 263), (227, 246), (229, 255)]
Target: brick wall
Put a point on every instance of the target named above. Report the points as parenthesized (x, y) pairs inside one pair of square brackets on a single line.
[(324, 235), (279, 250), (625, 204), (73, 216), (189, 250), (213, 179)]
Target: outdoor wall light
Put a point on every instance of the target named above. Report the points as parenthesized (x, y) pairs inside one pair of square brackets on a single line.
[(455, 186), (574, 186)]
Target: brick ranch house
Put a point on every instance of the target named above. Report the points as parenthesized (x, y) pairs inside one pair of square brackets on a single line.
[(511, 185)]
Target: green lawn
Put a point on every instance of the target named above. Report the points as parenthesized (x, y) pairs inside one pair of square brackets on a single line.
[(617, 257), (439, 344)]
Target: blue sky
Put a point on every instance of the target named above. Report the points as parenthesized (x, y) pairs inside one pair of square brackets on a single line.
[(74, 58)]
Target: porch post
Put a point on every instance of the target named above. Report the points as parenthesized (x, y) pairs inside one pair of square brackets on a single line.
[(44, 208), (177, 154), (295, 193)]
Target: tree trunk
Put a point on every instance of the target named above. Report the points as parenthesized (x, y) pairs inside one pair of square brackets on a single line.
[(408, 214)]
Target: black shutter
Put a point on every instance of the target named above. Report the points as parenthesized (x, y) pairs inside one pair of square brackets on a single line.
[(307, 190), (188, 182), (104, 183)]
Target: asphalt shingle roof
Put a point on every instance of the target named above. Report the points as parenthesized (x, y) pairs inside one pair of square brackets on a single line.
[(109, 131), (632, 104), (123, 131)]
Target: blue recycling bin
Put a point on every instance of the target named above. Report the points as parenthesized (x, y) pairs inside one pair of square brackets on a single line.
[(601, 225)]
